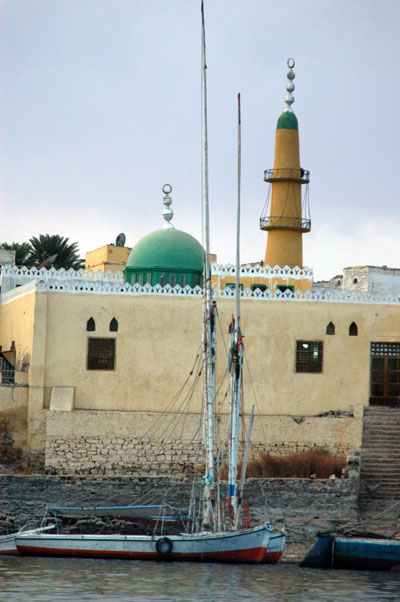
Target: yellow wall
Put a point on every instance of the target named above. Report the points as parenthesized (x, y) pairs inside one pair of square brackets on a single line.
[(16, 324), (299, 284), (158, 340), (159, 337), (109, 257)]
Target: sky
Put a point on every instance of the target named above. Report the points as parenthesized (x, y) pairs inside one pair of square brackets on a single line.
[(100, 106)]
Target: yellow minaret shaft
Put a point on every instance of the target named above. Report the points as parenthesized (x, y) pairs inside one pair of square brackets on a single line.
[(286, 224)]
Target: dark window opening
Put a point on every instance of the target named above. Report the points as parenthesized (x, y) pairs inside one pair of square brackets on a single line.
[(353, 330), (182, 280), (285, 287), (101, 354), (140, 278), (309, 355), (162, 279), (330, 329), (114, 325), (90, 325), (172, 279), (233, 285), (261, 287), (7, 372)]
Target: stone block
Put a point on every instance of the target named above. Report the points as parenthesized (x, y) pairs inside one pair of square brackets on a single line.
[(62, 399)]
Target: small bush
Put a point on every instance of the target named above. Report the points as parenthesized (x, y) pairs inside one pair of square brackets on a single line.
[(319, 463)]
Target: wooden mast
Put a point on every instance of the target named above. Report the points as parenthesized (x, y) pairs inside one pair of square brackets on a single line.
[(209, 337)]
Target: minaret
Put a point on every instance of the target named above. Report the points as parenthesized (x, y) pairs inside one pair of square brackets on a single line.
[(287, 220)]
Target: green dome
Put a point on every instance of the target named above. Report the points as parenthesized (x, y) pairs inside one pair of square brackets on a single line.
[(167, 249), (287, 121), (166, 256)]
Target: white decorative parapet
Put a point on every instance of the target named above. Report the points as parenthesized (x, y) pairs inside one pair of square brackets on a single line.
[(263, 271), (112, 283), (13, 276)]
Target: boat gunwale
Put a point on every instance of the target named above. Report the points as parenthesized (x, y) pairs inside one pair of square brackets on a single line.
[(208, 535)]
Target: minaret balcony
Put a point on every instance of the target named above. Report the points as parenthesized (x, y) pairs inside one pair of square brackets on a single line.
[(284, 222), (287, 174)]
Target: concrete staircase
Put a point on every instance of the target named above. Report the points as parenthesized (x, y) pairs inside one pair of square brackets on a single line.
[(380, 466)]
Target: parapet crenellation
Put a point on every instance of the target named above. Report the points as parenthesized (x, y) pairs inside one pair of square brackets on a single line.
[(113, 283)]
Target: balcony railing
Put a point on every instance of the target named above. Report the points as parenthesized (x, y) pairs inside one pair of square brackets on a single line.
[(294, 223), (302, 176)]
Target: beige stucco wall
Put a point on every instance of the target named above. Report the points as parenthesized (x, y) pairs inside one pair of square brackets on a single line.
[(159, 337), (109, 257), (17, 323)]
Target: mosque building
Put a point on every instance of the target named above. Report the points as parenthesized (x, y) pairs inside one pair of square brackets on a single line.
[(93, 362)]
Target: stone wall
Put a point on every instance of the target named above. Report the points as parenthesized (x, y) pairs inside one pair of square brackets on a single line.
[(302, 506), (137, 443), (13, 413)]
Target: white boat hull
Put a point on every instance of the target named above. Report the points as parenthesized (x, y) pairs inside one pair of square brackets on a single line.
[(242, 546), (8, 545), (276, 546)]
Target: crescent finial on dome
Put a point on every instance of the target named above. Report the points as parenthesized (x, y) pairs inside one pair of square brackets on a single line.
[(167, 212)]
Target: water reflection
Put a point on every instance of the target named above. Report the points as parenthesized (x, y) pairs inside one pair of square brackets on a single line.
[(73, 580)]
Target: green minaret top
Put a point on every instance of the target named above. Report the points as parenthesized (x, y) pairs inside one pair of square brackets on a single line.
[(288, 120)]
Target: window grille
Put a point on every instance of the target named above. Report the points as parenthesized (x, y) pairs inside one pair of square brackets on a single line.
[(385, 349), (101, 354), (309, 356)]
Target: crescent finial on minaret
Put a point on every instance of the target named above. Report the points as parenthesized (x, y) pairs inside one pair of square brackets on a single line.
[(289, 99)]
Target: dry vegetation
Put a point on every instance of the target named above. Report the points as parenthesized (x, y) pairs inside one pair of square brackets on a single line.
[(319, 464)]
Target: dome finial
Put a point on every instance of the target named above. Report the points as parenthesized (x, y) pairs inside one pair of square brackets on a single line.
[(167, 212), (289, 99)]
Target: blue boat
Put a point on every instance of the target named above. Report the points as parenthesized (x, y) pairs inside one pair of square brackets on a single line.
[(366, 553), (354, 552)]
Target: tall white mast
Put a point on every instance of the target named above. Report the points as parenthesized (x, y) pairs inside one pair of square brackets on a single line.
[(209, 310), (236, 360)]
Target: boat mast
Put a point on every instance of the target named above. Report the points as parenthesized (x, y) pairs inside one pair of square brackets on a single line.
[(209, 310), (236, 360)]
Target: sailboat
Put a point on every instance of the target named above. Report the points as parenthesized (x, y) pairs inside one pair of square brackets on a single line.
[(220, 537)]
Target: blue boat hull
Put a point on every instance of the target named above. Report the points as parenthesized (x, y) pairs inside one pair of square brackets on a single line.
[(366, 553)]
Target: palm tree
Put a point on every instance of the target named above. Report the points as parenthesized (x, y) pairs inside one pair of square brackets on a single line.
[(22, 252), (54, 251)]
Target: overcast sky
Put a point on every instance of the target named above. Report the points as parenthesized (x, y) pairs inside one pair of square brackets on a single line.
[(100, 106)]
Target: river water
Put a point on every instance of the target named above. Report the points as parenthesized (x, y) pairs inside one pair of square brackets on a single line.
[(73, 580)]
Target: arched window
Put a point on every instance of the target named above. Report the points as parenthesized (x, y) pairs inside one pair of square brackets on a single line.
[(114, 325), (90, 325), (353, 330), (330, 329)]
